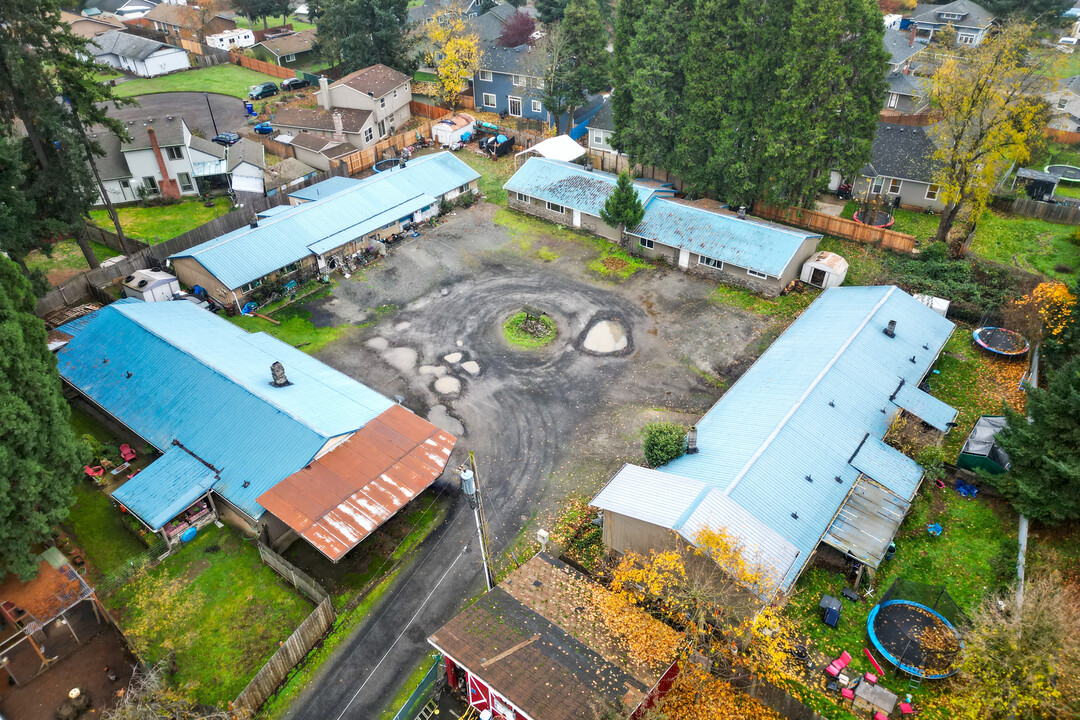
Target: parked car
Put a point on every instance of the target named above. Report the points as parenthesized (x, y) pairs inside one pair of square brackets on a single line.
[(264, 128), (295, 84), (226, 138), (263, 90)]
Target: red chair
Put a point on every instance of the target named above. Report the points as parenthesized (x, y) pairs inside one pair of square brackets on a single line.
[(127, 453), (870, 678), (906, 709), (880, 716), (94, 472), (848, 694), (838, 664)]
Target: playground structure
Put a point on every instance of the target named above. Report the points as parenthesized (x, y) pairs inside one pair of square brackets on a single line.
[(1001, 341)]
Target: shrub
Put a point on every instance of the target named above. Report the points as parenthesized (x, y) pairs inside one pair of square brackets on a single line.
[(663, 442), (445, 206)]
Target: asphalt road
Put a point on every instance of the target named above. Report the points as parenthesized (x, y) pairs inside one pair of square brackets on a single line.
[(522, 412), (228, 111)]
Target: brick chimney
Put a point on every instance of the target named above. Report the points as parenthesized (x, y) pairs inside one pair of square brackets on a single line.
[(914, 29), (339, 127), (169, 187), (324, 93)]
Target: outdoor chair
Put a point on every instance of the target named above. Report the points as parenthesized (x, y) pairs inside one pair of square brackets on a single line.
[(95, 472), (880, 716), (934, 529), (848, 694), (127, 453), (839, 664), (870, 678), (906, 709)]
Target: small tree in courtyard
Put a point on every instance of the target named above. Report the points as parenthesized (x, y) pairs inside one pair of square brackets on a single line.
[(663, 442), (623, 208)]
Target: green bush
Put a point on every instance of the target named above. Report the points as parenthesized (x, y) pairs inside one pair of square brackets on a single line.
[(663, 442), (1003, 565)]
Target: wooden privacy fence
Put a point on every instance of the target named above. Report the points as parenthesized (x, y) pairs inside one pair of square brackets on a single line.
[(293, 650), (111, 239), (612, 163), (1062, 136), (272, 146), (427, 110), (1064, 214), (921, 119), (361, 160), (259, 66), (838, 227)]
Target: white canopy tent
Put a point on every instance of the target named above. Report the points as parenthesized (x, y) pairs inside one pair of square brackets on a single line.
[(560, 147)]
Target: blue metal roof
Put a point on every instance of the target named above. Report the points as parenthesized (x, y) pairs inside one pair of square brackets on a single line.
[(246, 254), (402, 211), (777, 441), (888, 466), (748, 243), (570, 185), (926, 407), (166, 487), (326, 188), (172, 371)]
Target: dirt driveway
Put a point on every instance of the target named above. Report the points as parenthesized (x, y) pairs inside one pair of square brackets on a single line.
[(543, 423)]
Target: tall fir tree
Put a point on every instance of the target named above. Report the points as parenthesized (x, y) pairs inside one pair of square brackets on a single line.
[(550, 11), (627, 15), (1043, 444), (588, 61), (622, 208), (38, 450), (360, 33)]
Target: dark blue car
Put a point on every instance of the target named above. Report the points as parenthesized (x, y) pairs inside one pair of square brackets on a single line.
[(264, 128)]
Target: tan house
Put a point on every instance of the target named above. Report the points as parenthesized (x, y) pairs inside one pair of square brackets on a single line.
[(90, 27), (380, 90), (187, 21)]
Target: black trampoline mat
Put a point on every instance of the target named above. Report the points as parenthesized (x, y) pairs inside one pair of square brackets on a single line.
[(916, 637)]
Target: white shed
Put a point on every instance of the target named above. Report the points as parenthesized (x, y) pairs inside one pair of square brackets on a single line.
[(451, 129), (824, 270), (151, 285), (938, 305)]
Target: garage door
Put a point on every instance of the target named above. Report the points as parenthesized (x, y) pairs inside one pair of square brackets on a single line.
[(244, 183)]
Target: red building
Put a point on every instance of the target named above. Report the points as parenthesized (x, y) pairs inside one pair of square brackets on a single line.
[(536, 648)]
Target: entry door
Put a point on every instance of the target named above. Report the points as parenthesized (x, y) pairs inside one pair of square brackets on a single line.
[(684, 258), (817, 277)]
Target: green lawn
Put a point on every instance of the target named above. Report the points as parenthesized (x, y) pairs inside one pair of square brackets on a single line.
[(515, 334), (66, 257), (1059, 64), (154, 225), (493, 174), (295, 329), (922, 225), (230, 613), (242, 22), (1067, 190), (1030, 244), (420, 76), (227, 79), (101, 530), (785, 307)]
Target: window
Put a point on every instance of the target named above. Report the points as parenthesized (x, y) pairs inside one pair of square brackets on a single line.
[(1062, 103), (464, 188), (502, 708), (755, 273), (517, 79), (965, 39), (291, 57), (932, 192), (368, 134), (185, 182), (875, 187), (290, 268), (513, 105), (555, 208), (645, 243), (250, 286), (150, 184), (521, 197), (485, 76), (125, 185), (600, 139), (894, 186), (950, 16), (489, 99), (382, 102), (537, 107), (382, 128), (702, 260), (395, 93), (174, 153)]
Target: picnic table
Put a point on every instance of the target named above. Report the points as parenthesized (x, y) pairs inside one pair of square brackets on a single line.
[(873, 698)]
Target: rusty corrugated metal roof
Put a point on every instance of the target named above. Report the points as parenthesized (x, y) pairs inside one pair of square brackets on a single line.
[(339, 499)]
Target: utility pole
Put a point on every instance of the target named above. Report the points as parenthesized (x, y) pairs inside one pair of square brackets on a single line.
[(470, 485), (211, 109)]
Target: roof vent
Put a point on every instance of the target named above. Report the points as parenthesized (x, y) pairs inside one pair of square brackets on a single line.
[(277, 371), (809, 479), (129, 278), (254, 221), (794, 516), (890, 329), (837, 478), (246, 483), (742, 212), (832, 404), (691, 440), (143, 283), (912, 359)]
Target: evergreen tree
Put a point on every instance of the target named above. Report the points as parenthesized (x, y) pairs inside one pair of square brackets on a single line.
[(628, 13), (622, 208), (588, 61), (1044, 480), (38, 450), (1046, 12), (550, 11), (361, 33)]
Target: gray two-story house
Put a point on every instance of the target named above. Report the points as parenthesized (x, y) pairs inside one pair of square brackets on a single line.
[(510, 80), (970, 21), (902, 167)]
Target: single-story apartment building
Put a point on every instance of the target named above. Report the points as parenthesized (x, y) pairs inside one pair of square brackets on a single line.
[(290, 49), (248, 428), (902, 165), (535, 647), (136, 54), (286, 238), (738, 249), (792, 457)]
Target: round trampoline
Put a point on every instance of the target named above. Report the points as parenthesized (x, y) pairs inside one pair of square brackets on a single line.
[(915, 638), (880, 219), (1001, 341), (1068, 173)]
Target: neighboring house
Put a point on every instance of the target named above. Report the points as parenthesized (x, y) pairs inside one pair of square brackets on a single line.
[(320, 234), (90, 27), (902, 165), (137, 55), (285, 174), (319, 151), (509, 79), (535, 647), (903, 49), (791, 460), (185, 21), (122, 9), (743, 251), (601, 128), (1064, 102), (246, 166), (970, 21), (231, 39), (378, 89), (907, 93), (163, 157), (291, 49), (180, 378)]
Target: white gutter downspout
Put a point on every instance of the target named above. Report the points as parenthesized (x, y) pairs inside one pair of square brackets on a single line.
[(237, 302)]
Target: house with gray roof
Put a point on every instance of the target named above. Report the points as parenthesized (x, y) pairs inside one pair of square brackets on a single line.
[(902, 166), (906, 93), (288, 49), (695, 236), (246, 165), (902, 48), (137, 55), (1064, 101), (792, 461), (379, 91), (971, 21)]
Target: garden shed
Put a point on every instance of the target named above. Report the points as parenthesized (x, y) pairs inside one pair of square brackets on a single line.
[(981, 451), (824, 270), (452, 129), (151, 285)]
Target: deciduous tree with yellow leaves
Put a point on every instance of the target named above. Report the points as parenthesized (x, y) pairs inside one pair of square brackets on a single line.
[(454, 52), (990, 98)]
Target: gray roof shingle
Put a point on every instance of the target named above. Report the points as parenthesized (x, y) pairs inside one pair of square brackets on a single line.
[(902, 152), (298, 42), (246, 151), (351, 120), (898, 45), (121, 44), (972, 15), (376, 80)]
